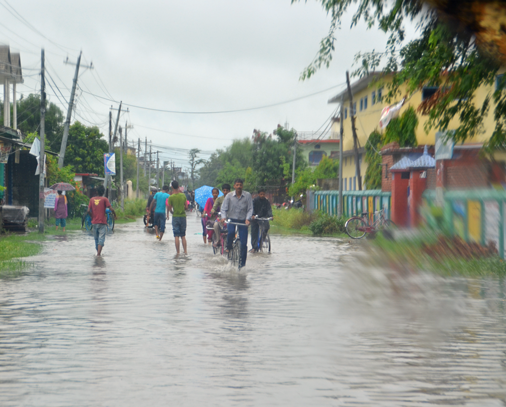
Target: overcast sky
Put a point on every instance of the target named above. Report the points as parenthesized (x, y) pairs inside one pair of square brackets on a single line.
[(186, 55)]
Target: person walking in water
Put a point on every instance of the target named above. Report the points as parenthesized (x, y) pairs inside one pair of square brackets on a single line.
[(96, 209), (61, 210), (161, 213), (177, 206)]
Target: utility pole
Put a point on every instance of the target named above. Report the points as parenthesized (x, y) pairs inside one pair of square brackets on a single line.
[(294, 155), (340, 200), (126, 142), (354, 132), (69, 115), (138, 157), (157, 170), (42, 167), (121, 168), (107, 177), (110, 130), (163, 171), (145, 155), (149, 168)]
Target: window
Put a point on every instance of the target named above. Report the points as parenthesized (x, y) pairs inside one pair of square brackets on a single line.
[(428, 91), (361, 104), (499, 82), (404, 175), (373, 98), (315, 157), (380, 94), (345, 113), (350, 185), (317, 147), (365, 103), (345, 182), (354, 183), (354, 109)]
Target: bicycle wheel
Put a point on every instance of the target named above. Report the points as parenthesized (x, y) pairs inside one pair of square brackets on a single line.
[(216, 249), (266, 243), (355, 228), (236, 254), (110, 221), (87, 222)]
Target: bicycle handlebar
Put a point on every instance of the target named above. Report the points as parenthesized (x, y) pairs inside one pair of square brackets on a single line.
[(229, 222), (265, 219)]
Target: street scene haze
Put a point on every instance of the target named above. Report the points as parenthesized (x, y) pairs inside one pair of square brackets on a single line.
[(253, 203)]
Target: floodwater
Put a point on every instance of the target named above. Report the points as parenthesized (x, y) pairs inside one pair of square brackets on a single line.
[(309, 325)]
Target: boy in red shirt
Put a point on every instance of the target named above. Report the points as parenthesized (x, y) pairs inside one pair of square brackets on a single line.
[(96, 209)]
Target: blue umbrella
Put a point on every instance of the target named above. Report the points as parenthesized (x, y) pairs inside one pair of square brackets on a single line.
[(202, 194)]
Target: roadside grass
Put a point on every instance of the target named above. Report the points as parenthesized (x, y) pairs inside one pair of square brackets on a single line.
[(297, 222), (408, 254), (14, 246)]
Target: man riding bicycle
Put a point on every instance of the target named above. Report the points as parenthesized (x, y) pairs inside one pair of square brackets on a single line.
[(238, 205), (261, 209)]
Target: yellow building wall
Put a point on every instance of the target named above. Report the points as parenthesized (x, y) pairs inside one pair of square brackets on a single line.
[(368, 120)]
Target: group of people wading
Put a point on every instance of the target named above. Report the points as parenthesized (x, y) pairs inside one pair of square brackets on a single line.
[(238, 207)]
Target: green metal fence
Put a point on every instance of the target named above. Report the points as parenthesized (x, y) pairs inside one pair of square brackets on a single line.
[(354, 202)]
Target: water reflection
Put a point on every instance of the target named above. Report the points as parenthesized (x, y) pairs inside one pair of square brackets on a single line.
[(311, 324)]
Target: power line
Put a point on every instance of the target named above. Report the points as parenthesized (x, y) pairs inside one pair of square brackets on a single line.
[(219, 111), (24, 21), (181, 134)]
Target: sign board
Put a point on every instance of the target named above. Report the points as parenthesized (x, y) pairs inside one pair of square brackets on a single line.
[(50, 197), (444, 148), (110, 163)]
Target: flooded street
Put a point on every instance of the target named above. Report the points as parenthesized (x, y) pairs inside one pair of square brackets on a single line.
[(306, 326)]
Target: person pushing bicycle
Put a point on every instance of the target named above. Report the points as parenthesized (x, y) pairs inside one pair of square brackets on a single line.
[(97, 210), (261, 209), (238, 205)]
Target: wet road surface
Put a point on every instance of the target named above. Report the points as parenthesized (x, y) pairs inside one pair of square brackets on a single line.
[(308, 325)]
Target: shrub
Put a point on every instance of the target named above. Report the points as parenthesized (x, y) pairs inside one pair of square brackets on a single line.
[(327, 225), (133, 208), (293, 218)]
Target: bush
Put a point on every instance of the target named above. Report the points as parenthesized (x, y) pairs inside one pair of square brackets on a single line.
[(327, 225), (134, 208), (293, 218)]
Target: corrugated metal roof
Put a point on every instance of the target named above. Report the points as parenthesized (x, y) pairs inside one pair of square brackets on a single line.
[(425, 161), (403, 164)]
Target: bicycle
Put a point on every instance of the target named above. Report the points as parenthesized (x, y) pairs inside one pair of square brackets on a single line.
[(234, 255), (86, 220), (356, 227), (222, 240), (264, 240)]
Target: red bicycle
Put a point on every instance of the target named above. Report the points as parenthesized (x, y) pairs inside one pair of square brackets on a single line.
[(357, 226)]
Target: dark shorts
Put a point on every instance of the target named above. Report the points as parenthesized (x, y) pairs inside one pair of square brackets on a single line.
[(160, 221), (179, 226), (61, 222)]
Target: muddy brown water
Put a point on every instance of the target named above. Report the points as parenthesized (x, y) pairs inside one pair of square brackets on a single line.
[(309, 325)]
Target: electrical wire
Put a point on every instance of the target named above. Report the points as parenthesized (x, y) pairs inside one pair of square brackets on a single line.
[(219, 111), (24, 21)]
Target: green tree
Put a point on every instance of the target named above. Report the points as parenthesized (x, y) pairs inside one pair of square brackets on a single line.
[(29, 120), (402, 129), (194, 162), (441, 55), (306, 177), (85, 149), (373, 160)]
